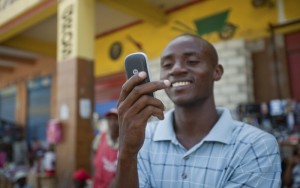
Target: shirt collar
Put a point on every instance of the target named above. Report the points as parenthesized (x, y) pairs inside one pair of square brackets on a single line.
[(223, 129), (221, 132), (165, 130)]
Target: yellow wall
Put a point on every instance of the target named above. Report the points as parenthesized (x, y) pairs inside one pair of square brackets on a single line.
[(251, 23), (292, 9)]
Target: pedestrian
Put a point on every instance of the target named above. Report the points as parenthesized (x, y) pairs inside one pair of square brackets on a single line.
[(20, 180), (49, 161), (105, 159), (81, 178), (291, 175)]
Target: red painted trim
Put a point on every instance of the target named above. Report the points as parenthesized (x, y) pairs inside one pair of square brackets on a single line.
[(108, 87), (25, 16), (140, 21), (119, 75)]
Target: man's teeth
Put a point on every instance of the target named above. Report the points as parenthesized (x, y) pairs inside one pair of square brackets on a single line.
[(177, 84)]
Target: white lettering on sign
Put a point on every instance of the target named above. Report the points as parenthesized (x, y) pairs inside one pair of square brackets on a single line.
[(67, 34)]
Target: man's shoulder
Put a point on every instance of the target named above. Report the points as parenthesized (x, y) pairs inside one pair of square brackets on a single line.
[(249, 133)]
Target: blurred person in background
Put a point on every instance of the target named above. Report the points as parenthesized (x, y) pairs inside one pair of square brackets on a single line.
[(81, 178), (36, 151), (20, 150), (36, 156), (292, 170), (105, 159), (20, 180), (49, 161)]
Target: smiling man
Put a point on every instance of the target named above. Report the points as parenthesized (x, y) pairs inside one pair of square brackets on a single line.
[(195, 144)]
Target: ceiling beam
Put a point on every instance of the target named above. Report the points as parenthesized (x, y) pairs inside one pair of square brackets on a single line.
[(17, 59), (5, 69), (32, 45), (138, 9), (29, 18)]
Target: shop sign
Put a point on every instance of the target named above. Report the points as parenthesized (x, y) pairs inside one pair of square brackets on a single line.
[(75, 29), (66, 29), (66, 35), (10, 9), (6, 3)]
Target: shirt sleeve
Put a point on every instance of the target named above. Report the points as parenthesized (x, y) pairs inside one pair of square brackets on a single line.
[(260, 167)]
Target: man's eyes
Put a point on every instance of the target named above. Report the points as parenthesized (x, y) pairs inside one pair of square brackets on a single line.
[(169, 64), (166, 64), (193, 62)]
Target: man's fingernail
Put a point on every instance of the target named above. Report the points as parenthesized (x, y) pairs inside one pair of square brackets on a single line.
[(142, 74), (167, 82)]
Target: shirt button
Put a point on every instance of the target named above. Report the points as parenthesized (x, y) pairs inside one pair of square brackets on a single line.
[(186, 158), (183, 176)]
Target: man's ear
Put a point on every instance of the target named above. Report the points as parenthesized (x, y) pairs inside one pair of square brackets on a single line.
[(218, 72)]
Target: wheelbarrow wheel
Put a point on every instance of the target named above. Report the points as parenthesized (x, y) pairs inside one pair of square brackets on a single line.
[(227, 31)]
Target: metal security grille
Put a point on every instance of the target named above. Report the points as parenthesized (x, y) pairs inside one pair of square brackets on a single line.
[(8, 104), (39, 96)]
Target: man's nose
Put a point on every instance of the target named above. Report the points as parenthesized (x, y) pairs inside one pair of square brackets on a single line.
[(178, 68)]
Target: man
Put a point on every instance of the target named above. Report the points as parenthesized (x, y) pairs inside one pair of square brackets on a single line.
[(20, 180), (291, 174), (106, 154), (49, 161), (80, 178), (195, 144)]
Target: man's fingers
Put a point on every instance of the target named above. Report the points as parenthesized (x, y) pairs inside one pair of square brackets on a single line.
[(139, 121), (135, 89), (140, 105), (131, 83), (143, 89), (153, 111)]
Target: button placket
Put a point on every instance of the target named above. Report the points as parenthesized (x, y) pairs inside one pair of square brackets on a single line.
[(184, 174)]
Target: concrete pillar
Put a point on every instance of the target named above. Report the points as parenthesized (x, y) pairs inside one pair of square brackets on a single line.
[(75, 75)]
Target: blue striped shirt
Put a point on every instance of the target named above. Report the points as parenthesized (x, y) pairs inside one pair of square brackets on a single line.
[(233, 154)]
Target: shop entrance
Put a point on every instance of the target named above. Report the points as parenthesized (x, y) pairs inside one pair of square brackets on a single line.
[(293, 59), (8, 104)]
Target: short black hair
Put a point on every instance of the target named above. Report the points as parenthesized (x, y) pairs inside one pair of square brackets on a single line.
[(211, 50)]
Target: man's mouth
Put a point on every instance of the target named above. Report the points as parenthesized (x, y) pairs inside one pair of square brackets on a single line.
[(183, 83)]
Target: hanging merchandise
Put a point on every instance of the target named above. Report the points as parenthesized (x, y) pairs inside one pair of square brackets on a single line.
[(54, 132)]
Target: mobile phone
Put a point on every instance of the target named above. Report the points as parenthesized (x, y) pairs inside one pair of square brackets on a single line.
[(135, 63)]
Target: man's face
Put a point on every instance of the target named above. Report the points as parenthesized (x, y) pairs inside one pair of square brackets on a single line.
[(113, 125), (188, 64)]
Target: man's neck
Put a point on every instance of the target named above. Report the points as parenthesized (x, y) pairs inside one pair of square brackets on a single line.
[(191, 125)]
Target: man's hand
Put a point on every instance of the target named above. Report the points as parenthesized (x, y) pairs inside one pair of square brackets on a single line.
[(135, 107)]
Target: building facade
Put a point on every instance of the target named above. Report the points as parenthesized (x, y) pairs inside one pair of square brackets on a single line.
[(65, 59)]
